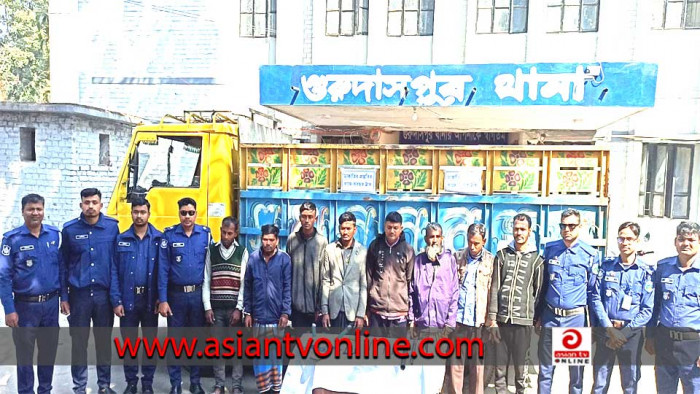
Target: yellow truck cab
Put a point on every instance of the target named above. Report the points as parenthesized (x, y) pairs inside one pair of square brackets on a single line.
[(166, 162), (452, 185)]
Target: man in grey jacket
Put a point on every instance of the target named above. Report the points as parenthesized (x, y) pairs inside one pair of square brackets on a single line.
[(516, 286), (344, 280), (305, 247)]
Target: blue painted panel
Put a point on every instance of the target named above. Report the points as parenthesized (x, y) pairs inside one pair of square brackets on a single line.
[(455, 219), (454, 213), (619, 84)]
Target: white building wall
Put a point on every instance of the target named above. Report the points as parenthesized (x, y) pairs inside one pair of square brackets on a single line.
[(98, 38)]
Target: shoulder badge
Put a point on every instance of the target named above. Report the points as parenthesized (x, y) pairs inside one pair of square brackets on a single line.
[(6, 250), (596, 269)]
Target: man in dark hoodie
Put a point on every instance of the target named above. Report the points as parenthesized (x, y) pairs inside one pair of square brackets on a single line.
[(389, 272), (516, 287)]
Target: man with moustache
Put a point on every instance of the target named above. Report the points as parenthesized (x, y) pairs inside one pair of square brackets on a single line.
[(222, 294), (134, 289), (570, 284), (268, 302), (88, 251), (389, 273), (674, 334), (344, 281), (475, 266), (627, 293), (305, 248), (180, 275), (516, 286), (30, 263)]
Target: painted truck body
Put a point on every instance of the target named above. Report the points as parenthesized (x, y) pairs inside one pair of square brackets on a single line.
[(453, 185)]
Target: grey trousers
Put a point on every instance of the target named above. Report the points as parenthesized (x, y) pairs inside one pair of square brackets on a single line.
[(222, 318)]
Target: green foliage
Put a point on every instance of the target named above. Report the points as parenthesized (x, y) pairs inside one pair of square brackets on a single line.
[(24, 50)]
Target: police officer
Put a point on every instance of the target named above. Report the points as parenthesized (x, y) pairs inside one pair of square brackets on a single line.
[(29, 267), (675, 324), (181, 265), (88, 250), (569, 284), (626, 290), (134, 289)]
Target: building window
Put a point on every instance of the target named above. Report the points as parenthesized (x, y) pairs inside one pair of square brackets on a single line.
[(681, 14), (572, 15), (104, 149), (666, 181), (27, 151), (410, 18), (346, 17), (258, 18), (501, 16)]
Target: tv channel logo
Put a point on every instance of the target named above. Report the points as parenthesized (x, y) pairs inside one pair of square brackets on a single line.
[(571, 345)]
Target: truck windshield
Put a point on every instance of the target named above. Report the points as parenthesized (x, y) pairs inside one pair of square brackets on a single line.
[(167, 162)]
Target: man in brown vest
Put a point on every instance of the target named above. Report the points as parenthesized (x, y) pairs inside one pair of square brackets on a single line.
[(222, 293)]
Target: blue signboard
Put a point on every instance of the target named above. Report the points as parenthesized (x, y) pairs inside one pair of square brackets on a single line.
[(568, 84)]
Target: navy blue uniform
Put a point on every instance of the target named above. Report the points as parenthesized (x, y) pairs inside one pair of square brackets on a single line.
[(627, 294), (181, 264), (570, 283), (134, 286), (30, 267), (88, 251), (677, 321)]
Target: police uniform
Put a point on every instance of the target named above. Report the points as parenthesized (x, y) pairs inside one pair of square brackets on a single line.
[(677, 321), (570, 284), (135, 288), (627, 294), (29, 267), (181, 265), (88, 251)]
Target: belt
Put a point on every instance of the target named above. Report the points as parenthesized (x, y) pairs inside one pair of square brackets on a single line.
[(684, 335), (619, 323), (39, 298), (139, 290), (184, 289), (567, 312)]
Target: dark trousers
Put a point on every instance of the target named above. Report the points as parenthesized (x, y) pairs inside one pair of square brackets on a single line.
[(142, 315), (512, 350), (90, 305), (628, 357), (544, 380), (188, 311), (36, 314), (341, 321), (675, 360), (301, 319)]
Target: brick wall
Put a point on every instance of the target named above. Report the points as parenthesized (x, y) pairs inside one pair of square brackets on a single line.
[(67, 150)]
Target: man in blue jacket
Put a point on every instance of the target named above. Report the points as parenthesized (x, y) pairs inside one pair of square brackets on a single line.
[(88, 250), (181, 262), (134, 290), (267, 301), (29, 267)]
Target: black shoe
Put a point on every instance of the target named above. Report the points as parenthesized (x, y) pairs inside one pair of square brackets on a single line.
[(176, 389), (196, 389), (131, 389), (147, 389), (106, 390)]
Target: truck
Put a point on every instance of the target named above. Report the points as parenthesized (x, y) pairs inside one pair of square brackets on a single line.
[(452, 185)]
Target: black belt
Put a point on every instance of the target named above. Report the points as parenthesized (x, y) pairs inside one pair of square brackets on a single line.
[(619, 323), (139, 290), (38, 298), (184, 288), (683, 335), (567, 312)]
